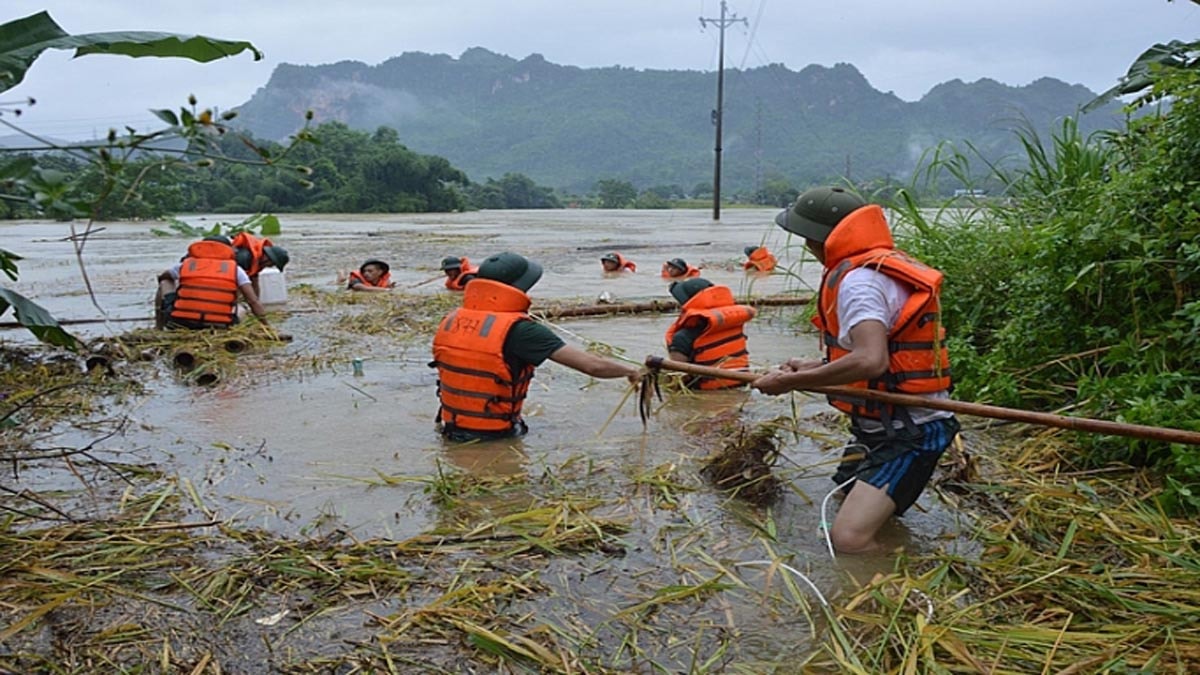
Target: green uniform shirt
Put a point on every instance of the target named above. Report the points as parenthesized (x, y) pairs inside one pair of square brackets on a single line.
[(530, 342), (684, 340)]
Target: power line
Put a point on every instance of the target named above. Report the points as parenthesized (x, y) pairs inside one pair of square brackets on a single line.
[(721, 23)]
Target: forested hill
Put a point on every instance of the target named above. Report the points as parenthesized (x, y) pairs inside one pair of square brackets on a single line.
[(568, 127)]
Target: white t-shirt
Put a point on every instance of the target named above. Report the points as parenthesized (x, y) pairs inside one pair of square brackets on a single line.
[(242, 277), (865, 295)]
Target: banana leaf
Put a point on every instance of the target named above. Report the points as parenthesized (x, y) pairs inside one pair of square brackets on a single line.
[(22, 41), (35, 317)]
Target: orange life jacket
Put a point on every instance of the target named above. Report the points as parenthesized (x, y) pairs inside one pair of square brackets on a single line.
[(690, 273), (255, 246), (624, 264), (384, 281), (465, 274), (761, 259), (919, 362), (207, 290), (477, 388), (721, 343)]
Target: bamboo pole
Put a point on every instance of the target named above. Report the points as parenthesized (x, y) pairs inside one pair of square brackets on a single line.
[(976, 409), (656, 306), (628, 247), (428, 281)]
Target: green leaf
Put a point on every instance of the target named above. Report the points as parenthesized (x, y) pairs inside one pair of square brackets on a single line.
[(35, 317), (1142, 73), (23, 41), (269, 225), (8, 263), (17, 168), (166, 116)]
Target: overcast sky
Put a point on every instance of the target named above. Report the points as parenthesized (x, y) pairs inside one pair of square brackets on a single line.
[(903, 47)]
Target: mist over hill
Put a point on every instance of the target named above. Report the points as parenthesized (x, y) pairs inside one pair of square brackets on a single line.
[(567, 127)]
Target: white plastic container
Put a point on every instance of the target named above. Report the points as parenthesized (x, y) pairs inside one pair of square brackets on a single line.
[(272, 287)]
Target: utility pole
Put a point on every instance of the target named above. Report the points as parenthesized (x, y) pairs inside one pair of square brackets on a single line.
[(721, 23)]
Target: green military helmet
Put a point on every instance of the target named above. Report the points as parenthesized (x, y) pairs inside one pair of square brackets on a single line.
[(511, 268), (245, 259), (278, 256), (377, 262), (816, 212), (683, 291), (451, 263)]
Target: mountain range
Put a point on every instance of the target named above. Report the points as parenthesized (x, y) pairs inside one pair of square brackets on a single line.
[(568, 127)]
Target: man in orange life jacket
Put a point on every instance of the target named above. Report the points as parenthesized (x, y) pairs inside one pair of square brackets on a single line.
[(709, 331), (201, 290), (759, 259), (255, 254), (615, 262), (372, 276), (458, 272), (880, 323), (486, 351), (677, 268)]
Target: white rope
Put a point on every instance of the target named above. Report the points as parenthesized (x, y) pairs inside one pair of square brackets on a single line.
[(825, 501), (791, 569)]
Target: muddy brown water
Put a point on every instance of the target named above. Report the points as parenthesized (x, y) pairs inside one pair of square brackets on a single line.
[(302, 451)]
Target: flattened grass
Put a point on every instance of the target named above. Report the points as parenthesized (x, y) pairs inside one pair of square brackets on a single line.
[(1079, 573)]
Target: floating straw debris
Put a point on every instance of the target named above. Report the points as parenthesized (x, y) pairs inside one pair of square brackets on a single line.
[(743, 464)]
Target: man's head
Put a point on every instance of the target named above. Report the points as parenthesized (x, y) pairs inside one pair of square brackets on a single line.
[(373, 269), (676, 267), (452, 266), (816, 212), (512, 269), (749, 250), (611, 262), (683, 291), (277, 255)]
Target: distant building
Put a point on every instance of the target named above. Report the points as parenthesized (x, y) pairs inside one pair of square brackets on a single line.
[(970, 193)]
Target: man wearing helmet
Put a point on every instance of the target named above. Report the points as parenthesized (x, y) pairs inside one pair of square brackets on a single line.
[(880, 324), (201, 290), (458, 272), (255, 254), (487, 350)]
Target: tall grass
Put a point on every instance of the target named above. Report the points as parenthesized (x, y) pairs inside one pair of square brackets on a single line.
[(1076, 288)]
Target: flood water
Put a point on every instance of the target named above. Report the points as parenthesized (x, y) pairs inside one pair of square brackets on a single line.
[(306, 450)]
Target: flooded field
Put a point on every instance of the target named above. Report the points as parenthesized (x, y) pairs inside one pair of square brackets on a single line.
[(291, 443)]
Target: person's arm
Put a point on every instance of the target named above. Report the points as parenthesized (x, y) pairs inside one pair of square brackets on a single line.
[(358, 286), (682, 347), (869, 359), (256, 305), (596, 366)]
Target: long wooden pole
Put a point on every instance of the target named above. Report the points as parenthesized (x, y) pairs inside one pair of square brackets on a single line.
[(976, 409), (656, 306)]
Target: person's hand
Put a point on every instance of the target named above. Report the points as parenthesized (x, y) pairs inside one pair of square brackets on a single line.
[(773, 383), (795, 365), (635, 375)]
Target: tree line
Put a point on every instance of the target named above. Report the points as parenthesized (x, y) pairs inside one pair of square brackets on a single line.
[(342, 171)]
